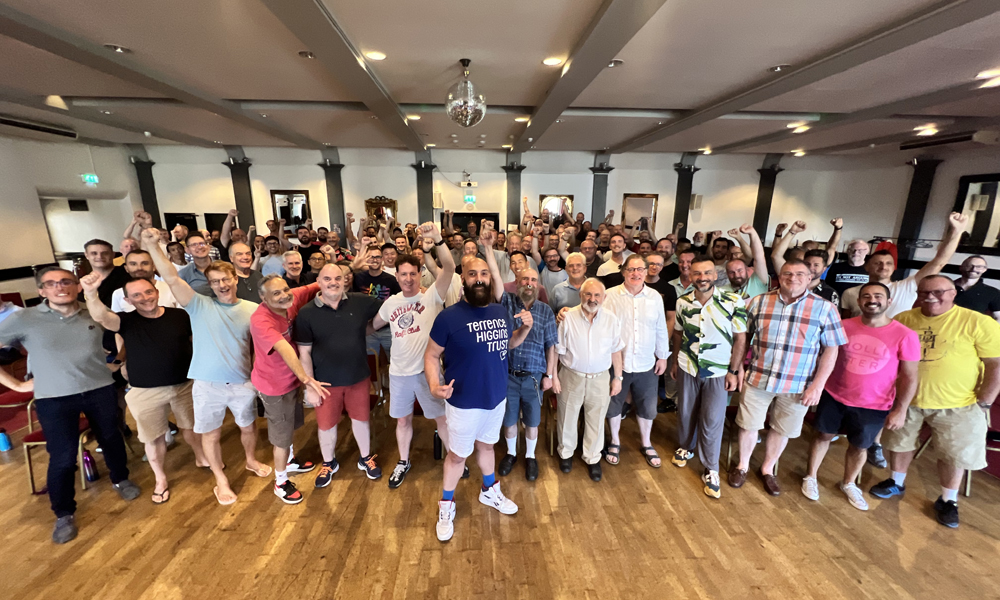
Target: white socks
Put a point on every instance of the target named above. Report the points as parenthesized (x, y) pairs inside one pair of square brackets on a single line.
[(530, 450), (280, 477), (899, 478), (949, 495), (512, 446)]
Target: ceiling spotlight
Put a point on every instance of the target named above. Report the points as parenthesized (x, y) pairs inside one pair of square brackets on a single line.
[(327, 144), (616, 62), (991, 74), (606, 147), (147, 133), (482, 135), (520, 119), (795, 124), (413, 117), (801, 129), (508, 146), (558, 120), (374, 55), (118, 49), (464, 104), (798, 153), (216, 142), (552, 62), (454, 141), (992, 83), (56, 102), (104, 112), (373, 117), (779, 68), (306, 54), (482, 142), (706, 150), (263, 115), (431, 145), (454, 135), (926, 131)]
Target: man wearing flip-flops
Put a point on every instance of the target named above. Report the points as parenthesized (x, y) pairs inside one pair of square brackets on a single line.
[(220, 364), (639, 309)]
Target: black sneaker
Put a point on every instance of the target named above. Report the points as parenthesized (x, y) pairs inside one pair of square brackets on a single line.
[(887, 489), (530, 468), (506, 464), (298, 465), (288, 493), (370, 467), (666, 406), (399, 474), (947, 512), (876, 457), (326, 471), (465, 473)]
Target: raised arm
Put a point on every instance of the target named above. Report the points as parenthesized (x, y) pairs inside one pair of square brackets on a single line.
[(946, 249), (227, 227), (563, 247), (442, 280), (130, 230), (834, 242), (534, 250), (757, 252), (98, 312), (778, 232), (610, 219), (781, 245), (178, 287), (491, 262), (428, 248), (630, 234)]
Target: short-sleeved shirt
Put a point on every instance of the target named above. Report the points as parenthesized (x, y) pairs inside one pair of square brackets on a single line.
[(679, 289), (337, 337), (246, 287), (530, 355), (64, 353), (379, 286), (550, 279), (903, 292), (410, 321), (827, 293), (270, 374), (475, 343), (786, 339), (272, 265), (196, 279), (707, 332), (753, 287), (868, 364), (982, 298), (842, 276), (668, 292), (221, 339), (307, 251), (166, 299), (564, 295), (952, 345), (159, 350)]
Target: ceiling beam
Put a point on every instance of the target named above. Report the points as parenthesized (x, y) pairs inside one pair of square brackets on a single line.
[(615, 24), (92, 116), (43, 36), (318, 30), (939, 18)]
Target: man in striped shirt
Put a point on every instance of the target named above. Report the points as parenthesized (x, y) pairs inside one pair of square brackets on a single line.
[(794, 338)]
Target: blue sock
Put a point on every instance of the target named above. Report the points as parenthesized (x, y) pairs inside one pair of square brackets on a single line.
[(488, 481), (448, 495)]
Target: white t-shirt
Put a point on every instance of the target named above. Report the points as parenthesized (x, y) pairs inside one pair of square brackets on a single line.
[(410, 321), (118, 303), (610, 266), (550, 279), (903, 293), (389, 270)]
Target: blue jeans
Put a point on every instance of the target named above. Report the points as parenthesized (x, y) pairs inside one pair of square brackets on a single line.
[(524, 397)]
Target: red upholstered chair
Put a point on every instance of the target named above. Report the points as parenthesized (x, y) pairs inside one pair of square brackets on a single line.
[(12, 297), (36, 437)]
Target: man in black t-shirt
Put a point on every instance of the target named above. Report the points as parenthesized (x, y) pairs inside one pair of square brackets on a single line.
[(972, 292), (158, 342), (842, 276), (378, 284)]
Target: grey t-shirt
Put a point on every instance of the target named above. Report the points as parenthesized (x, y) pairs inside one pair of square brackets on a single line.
[(65, 355)]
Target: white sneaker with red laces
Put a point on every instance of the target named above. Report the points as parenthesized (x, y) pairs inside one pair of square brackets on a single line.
[(446, 520), (493, 497)]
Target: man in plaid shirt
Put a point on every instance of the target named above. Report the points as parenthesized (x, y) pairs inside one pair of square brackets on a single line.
[(794, 338)]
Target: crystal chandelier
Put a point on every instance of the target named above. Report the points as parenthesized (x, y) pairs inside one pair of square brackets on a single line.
[(464, 105)]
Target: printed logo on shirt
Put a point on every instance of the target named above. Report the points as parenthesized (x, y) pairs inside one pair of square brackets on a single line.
[(852, 278), (493, 333), (866, 354), (403, 318), (930, 346), (377, 291)]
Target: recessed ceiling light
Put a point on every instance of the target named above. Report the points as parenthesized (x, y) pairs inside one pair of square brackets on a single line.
[(798, 153), (616, 62), (992, 83), (118, 49), (216, 142), (927, 131), (430, 145), (104, 112), (373, 117), (506, 146), (56, 101), (306, 54), (520, 119), (558, 120), (482, 135), (413, 117), (801, 129), (147, 133), (454, 135), (482, 142), (263, 115), (552, 62), (327, 144), (706, 150), (779, 68), (606, 147), (454, 141), (374, 55), (795, 124), (988, 74)]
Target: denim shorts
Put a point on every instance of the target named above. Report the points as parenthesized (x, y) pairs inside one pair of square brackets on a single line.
[(524, 397)]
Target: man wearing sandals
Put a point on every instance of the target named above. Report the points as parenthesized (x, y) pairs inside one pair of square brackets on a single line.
[(794, 335), (158, 341), (220, 363), (710, 342), (639, 309)]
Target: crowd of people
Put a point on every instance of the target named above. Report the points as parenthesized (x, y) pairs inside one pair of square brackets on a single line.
[(479, 326)]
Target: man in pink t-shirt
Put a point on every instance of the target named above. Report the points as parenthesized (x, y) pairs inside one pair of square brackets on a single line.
[(279, 377), (871, 386)]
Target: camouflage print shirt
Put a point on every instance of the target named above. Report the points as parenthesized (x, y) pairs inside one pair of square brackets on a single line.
[(707, 332)]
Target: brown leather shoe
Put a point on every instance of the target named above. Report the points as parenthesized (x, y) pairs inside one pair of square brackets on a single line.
[(770, 484), (737, 477)]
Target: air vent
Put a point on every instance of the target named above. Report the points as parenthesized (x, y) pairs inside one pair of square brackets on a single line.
[(78, 206), (37, 127), (937, 141)]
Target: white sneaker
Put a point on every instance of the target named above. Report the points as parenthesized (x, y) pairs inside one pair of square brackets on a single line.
[(446, 520), (810, 488), (854, 495), (493, 497)]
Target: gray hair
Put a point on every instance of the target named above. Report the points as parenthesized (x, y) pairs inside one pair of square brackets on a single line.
[(576, 255), (290, 253), (232, 247), (262, 284)]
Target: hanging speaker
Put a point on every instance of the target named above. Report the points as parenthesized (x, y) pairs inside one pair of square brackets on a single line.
[(696, 201)]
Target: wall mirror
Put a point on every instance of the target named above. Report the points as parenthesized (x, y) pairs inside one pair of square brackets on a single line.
[(642, 208), (292, 206), (977, 195), (380, 209), (558, 206)]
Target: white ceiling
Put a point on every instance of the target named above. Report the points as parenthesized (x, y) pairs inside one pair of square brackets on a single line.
[(687, 56)]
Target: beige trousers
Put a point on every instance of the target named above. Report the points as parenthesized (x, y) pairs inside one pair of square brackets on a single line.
[(592, 395)]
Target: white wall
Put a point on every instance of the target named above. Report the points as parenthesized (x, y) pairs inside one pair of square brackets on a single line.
[(70, 230)]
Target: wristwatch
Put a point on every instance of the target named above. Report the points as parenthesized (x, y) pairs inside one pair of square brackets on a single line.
[(732, 372), (439, 243), (620, 378)]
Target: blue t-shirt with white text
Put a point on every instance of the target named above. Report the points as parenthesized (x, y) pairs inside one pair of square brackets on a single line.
[(475, 353)]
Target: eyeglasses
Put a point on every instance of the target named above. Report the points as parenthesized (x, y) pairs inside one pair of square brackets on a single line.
[(219, 281), (635, 269), (52, 283), (797, 275), (197, 245), (937, 293)]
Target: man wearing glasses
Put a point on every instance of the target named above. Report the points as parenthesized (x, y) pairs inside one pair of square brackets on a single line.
[(972, 292), (794, 335), (194, 272), (221, 361)]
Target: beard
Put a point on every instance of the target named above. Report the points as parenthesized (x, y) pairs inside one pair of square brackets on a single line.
[(477, 294), (585, 307), (526, 294)]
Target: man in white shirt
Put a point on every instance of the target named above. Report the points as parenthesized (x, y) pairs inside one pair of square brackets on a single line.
[(590, 343), (639, 309), (616, 257), (139, 265)]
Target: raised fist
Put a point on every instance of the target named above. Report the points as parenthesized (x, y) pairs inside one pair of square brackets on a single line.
[(780, 229), (233, 212), (798, 227), (837, 223), (90, 282)]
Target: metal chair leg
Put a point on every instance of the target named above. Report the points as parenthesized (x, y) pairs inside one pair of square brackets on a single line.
[(79, 461), (31, 471), (922, 447), (968, 484)]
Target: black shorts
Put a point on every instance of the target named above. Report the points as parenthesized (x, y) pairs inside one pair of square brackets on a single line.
[(860, 425), (643, 388)]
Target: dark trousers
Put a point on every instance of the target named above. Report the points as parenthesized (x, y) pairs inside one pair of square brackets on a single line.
[(60, 419)]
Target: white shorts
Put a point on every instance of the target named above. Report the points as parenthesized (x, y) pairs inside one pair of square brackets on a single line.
[(212, 399), (404, 389), (466, 426)]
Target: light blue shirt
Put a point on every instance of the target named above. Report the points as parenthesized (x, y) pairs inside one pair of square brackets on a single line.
[(221, 340), (564, 295), (196, 279), (272, 265)]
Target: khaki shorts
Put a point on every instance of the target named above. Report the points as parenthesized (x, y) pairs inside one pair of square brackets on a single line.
[(786, 418), (151, 408), (958, 433), (284, 415)]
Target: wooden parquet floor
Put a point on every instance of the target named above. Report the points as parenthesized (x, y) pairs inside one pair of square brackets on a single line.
[(641, 533)]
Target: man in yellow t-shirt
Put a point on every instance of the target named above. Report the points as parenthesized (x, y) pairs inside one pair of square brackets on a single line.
[(959, 380)]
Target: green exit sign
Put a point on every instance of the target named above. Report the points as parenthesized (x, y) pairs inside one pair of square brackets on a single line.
[(90, 178)]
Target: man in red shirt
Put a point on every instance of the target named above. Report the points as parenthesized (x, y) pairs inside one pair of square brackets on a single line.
[(279, 377)]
